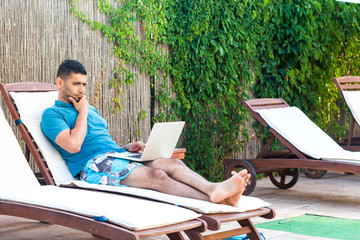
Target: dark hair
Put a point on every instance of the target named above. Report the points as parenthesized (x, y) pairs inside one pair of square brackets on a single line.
[(68, 67)]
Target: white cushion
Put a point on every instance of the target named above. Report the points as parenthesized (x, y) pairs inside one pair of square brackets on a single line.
[(245, 204), (12, 160), (129, 212), (306, 136), (31, 106), (352, 99)]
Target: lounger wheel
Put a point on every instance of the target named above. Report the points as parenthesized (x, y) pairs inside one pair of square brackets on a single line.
[(286, 178), (314, 173), (238, 165)]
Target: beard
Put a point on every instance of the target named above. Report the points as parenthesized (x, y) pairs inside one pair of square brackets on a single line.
[(67, 98)]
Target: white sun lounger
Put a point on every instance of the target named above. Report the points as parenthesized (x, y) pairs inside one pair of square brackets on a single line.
[(308, 146), (101, 214), (30, 106), (305, 135)]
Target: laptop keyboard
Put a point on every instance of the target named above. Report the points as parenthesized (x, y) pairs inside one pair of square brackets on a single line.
[(135, 156)]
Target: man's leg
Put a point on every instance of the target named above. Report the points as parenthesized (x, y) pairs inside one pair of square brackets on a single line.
[(173, 177), (228, 191), (157, 179)]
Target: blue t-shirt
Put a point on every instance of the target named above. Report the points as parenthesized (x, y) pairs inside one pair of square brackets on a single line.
[(63, 116)]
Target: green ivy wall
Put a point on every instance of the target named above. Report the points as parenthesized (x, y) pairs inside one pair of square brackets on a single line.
[(223, 50), (293, 48)]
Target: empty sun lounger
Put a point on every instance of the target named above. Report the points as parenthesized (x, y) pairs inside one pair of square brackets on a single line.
[(307, 145), (349, 89), (28, 100), (105, 216)]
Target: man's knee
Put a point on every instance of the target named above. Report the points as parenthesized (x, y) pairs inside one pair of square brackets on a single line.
[(177, 162), (176, 167), (145, 177), (157, 174)]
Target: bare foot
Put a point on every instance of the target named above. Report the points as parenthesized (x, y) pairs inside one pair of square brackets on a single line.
[(246, 175), (231, 189), (234, 200)]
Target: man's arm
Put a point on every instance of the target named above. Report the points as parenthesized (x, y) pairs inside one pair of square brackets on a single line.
[(71, 140)]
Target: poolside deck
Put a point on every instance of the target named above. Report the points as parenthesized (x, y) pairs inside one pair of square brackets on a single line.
[(334, 195)]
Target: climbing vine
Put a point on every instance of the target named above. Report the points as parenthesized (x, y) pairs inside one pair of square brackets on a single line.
[(224, 50), (213, 43), (142, 49), (304, 45)]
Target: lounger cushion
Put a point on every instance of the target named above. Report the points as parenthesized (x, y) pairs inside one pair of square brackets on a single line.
[(12, 160), (132, 213), (246, 203), (292, 124), (31, 105)]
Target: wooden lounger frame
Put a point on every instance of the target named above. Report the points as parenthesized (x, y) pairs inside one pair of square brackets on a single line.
[(286, 162), (211, 222), (349, 83), (99, 230)]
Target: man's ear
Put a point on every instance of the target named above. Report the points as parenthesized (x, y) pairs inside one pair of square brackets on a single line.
[(59, 82)]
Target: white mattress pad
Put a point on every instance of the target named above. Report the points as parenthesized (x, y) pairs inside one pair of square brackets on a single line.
[(292, 124)]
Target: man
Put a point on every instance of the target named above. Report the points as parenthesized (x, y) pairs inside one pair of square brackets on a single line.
[(80, 134)]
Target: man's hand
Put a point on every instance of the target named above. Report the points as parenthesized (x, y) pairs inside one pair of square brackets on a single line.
[(72, 140), (136, 147), (82, 106)]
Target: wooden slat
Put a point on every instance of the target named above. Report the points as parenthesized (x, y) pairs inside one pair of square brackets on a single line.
[(348, 79), (265, 102), (350, 87), (306, 163)]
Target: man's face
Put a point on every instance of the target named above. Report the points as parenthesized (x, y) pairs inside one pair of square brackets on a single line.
[(72, 87)]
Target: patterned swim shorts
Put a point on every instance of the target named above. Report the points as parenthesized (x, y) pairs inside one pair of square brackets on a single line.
[(107, 170)]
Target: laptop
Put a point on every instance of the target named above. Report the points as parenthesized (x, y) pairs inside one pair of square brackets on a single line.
[(160, 144)]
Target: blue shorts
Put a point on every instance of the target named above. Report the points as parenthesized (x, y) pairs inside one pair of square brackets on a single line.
[(107, 170)]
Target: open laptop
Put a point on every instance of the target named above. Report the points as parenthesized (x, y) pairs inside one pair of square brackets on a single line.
[(161, 143)]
